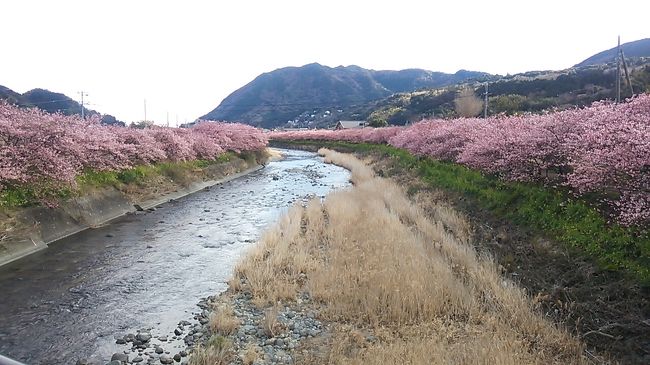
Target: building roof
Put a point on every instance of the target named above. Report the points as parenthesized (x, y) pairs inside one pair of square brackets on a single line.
[(352, 124)]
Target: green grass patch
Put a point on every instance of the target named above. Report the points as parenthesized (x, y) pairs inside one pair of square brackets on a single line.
[(16, 197), (551, 212), (26, 195)]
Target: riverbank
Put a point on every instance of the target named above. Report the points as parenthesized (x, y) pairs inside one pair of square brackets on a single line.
[(606, 306), (348, 280), (102, 197)]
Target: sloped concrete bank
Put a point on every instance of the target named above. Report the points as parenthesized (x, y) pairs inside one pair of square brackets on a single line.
[(36, 227)]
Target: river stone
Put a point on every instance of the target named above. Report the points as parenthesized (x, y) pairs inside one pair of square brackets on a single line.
[(137, 359), (159, 350), (115, 362), (83, 362), (249, 329), (183, 353), (177, 357), (178, 332), (120, 341), (143, 336), (162, 338), (120, 357), (166, 359)]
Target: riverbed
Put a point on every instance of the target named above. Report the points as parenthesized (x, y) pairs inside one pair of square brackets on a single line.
[(148, 270)]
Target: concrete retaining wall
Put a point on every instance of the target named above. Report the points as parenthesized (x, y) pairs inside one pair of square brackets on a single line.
[(84, 212)]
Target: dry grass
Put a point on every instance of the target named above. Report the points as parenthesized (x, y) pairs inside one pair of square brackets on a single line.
[(273, 154), (223, 320), (374, 261), (218, 351), (251, 354), (271, 324)]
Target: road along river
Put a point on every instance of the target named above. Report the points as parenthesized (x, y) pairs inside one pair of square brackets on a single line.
[(146, 271)]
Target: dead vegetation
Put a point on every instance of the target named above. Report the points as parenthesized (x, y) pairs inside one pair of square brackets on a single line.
[(395, 286), (223, 320)]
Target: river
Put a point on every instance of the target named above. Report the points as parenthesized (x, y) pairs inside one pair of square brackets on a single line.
[(147, 270)]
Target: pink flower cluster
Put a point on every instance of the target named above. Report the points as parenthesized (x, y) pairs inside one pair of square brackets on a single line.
[(370, 135), (38, 148), (602, 150)]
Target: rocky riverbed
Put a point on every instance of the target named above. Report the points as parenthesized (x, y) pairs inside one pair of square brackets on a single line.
[(86, 298), (268, 341)]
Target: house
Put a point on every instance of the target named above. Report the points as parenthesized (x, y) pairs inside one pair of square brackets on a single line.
[(350, 124)]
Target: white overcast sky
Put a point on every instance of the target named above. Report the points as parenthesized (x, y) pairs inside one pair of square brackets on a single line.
[(185, 56)]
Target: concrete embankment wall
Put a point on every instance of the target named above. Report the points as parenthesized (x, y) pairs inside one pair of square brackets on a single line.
[(42, 225)]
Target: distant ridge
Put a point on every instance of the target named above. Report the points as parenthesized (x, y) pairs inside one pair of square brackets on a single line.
[(640, 48), (273, 98), (51, 102)]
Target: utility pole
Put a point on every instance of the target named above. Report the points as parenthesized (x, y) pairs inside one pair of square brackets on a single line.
[(167, 119), (83, 116), (485, 110), (627, 74), (618, 71)]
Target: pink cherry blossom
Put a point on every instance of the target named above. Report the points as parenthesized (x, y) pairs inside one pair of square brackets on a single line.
[(44, 150), (602, 150)]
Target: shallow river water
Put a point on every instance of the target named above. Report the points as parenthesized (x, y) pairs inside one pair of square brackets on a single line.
[(146, 271)]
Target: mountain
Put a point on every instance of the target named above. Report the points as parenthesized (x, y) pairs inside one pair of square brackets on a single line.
[(51, 102), (529, 92), (640, 48), (276, 97)]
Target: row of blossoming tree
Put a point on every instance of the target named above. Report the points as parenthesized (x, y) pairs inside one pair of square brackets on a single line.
[(602, 150), (38, 148)]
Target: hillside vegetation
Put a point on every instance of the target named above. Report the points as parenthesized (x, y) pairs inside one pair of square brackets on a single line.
[(530, 92), (317, 96), (639, 48), (52, 102), (295, 93)]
